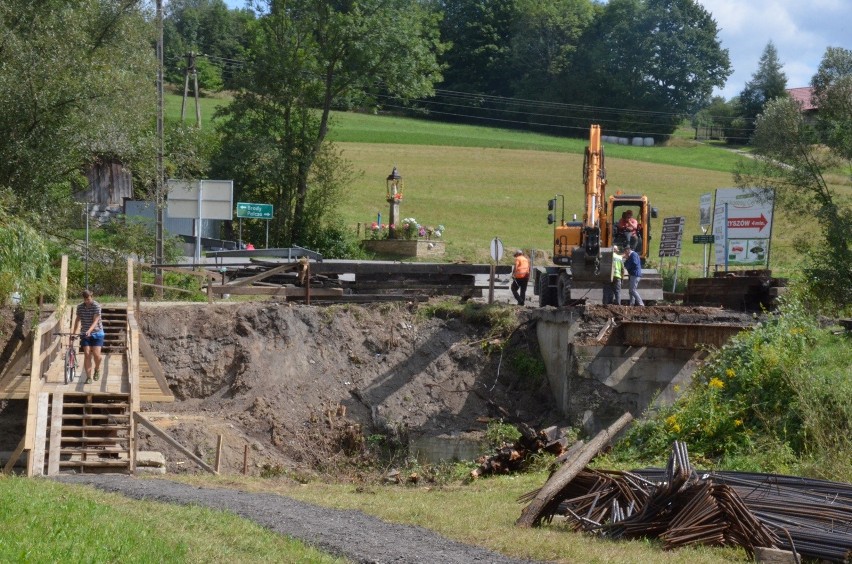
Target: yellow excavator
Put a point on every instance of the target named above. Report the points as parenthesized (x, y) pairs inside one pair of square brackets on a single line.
[(582, 250)]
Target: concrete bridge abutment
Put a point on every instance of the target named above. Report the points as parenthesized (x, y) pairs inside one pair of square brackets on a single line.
[(597, 373)]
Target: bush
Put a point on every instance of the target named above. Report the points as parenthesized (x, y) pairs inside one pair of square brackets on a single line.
[(24, 257), (774, 397)]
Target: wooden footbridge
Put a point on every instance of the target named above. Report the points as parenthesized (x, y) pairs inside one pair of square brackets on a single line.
[(78, 426)]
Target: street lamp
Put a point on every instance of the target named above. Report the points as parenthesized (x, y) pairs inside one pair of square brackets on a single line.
[(394, 184), (394, 197)]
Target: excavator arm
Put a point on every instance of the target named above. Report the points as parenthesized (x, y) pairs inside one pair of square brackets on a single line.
[(594, 179)]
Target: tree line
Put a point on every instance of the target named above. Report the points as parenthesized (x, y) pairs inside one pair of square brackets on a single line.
[(636, 66)]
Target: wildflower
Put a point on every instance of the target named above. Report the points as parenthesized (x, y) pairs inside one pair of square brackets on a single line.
[(716, 383), (730, 373), (673, 424), (677, 388), (738, 422)]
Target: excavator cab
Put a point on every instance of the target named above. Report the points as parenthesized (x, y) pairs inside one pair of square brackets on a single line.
[(630, 207)]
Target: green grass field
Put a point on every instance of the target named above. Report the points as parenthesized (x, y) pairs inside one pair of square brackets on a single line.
[(43, 521), (482, 183)]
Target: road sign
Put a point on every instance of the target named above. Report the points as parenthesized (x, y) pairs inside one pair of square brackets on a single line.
[(671, 237), (703, 239), (496, 249), (705, 210), (254, 211)]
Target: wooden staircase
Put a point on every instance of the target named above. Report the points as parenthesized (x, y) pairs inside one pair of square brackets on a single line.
[(114, 320), (87, 433)]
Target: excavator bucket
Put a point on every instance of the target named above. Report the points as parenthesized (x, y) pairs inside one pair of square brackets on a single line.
[(590, 274), (585, 268)]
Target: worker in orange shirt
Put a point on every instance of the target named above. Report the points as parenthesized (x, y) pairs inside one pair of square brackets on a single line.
[(520, 277)]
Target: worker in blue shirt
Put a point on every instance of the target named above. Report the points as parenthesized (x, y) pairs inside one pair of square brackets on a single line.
[(633, 266)]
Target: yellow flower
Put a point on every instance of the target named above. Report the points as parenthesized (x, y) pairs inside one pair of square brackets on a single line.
[(716, 383), (677, 388), (738, 422), (730, 373), (671, 421)]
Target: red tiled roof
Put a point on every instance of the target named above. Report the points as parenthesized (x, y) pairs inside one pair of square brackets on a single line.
[(803, 96)]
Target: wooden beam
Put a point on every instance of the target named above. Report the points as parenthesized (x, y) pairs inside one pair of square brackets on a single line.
[(251, 279), (35, 464), (133, 379), (282, 291), (55, 434), (130, 285), (148, 424), (147, 353), (15, 456), (531, 514), (63, 283), (35, 388), (219, 442)]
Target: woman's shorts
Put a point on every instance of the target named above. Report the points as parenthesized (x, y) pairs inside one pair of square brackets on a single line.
[(95, 340)]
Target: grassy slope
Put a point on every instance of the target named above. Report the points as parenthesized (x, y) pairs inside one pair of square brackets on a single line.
[(483, 513), (43, 521), (481, 182)]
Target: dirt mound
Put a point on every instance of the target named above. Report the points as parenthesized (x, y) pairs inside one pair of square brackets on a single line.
[(304, 385)]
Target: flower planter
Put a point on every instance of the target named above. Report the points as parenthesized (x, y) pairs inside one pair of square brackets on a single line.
[(404, 247)]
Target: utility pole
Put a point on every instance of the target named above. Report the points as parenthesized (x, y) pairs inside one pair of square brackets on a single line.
[(159, 252), (191, 69)]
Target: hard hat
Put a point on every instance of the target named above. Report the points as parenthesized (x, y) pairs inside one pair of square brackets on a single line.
[(518, 252)]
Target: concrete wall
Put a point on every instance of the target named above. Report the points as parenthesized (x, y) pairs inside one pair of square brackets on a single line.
[(594, 384), (606, 381)]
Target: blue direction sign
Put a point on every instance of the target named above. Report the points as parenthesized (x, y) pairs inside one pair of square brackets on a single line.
[(254, 211)]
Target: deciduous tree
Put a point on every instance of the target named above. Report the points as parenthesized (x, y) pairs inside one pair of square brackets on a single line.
[(75, 84), (654, 60), (791, 161), (306, 56)]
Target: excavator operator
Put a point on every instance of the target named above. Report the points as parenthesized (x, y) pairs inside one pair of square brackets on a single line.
[(628, 228)]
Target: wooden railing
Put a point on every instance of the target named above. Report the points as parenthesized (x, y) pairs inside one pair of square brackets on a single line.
[(133, 379)]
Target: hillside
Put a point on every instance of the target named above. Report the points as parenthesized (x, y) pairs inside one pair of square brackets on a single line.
[(298, 383)]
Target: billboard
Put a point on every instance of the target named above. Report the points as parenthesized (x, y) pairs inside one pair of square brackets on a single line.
[(742, 225), (201, 199)]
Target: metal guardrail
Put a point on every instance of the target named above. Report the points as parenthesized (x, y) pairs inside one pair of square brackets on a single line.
[(291, 253)]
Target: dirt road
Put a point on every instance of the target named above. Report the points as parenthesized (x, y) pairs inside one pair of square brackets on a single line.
[(350, 534)]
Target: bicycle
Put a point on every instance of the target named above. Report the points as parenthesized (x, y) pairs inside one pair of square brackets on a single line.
[(70, 358)]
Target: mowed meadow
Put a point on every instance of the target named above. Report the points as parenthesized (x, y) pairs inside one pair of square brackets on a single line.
[(481, 182)]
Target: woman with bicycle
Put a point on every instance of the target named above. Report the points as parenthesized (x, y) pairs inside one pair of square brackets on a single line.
[(91, 334)]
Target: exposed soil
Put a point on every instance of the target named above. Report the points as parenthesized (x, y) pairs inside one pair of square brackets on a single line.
[(303, 386)]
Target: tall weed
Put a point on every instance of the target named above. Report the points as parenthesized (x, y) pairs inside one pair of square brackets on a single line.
[(777, 398)]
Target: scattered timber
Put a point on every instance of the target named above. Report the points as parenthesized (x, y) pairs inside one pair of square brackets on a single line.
[(544, 499), (512, 458)]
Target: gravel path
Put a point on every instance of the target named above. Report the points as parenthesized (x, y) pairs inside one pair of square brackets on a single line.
[(349, 533)]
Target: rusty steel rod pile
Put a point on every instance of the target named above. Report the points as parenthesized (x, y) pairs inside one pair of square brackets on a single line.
[(811, 518), (808, 516)]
